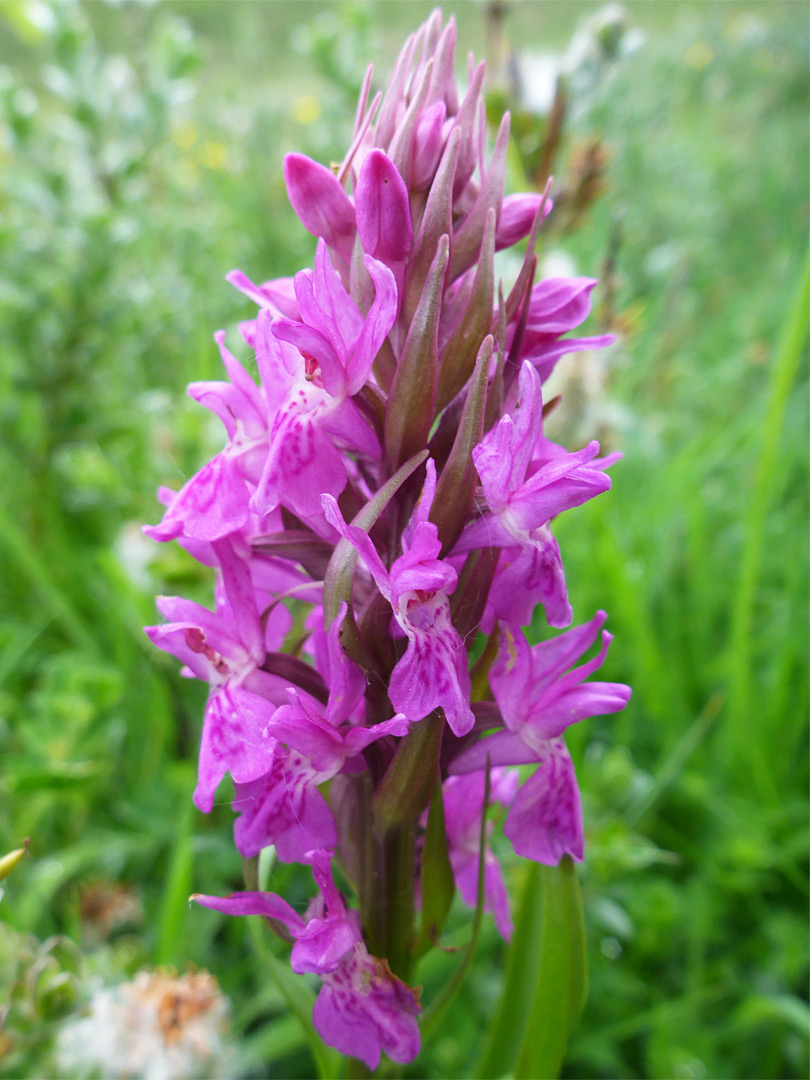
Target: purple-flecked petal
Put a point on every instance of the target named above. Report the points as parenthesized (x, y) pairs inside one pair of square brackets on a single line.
[(283, 808), (421, 513), (239, 608), (510, 677), (350, 428), (534, 695), (342, 1024), (334, 302), (522, 505), (300, 726), (485, 530), (174, 638), (254, 410), (322, 945), (359, 540), (494, 463), (464, 801), (529, 576), (360, 737), (535, 670), (212, 504), (548, 493), (579, 703), (419, 569), (463, 806), (433, 673), (502, 748), (528, 424), (364, 1009), (224, 400), (217, 632), (234, 740), (319, 357), (545, 821), (302, 462), (278, 362)]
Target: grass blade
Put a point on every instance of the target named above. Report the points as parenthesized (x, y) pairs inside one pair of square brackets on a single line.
[(743, 741), (688, 743), (179, 886)]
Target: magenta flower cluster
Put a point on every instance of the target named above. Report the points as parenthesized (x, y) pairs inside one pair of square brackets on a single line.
[(382, 503)]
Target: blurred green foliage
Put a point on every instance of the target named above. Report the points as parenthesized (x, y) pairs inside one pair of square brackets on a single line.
[(140, 159)]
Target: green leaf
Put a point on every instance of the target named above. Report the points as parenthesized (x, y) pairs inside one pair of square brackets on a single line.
[(784, 1009), (506, 1032), (561, 975), (438, 883)]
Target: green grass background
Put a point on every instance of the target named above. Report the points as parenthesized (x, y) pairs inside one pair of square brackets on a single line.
[(140, 159)]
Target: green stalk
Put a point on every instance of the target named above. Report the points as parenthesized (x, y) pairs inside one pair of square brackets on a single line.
[(434, 1014), (398, 862), (400, 799)]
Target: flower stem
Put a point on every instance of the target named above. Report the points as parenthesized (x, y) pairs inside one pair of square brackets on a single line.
[(399, 885)]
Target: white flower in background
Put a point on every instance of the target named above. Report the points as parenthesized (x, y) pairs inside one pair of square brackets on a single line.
[(160, 1026)]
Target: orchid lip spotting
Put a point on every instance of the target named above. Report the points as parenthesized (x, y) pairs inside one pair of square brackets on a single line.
[(386, 488)]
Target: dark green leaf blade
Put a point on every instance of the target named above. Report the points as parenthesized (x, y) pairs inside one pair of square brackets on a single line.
[(505, 1034), (561, 977)]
